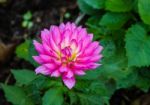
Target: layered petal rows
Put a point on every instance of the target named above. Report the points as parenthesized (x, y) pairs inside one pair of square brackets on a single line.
[(66, 50)]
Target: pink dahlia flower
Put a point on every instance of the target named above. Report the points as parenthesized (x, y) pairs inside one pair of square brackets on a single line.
[(66, 51)]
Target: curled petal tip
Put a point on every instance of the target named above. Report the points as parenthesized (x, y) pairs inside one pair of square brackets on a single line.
[(69, 82)]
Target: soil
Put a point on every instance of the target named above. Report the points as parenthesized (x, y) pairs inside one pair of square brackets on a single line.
[(44, 13)]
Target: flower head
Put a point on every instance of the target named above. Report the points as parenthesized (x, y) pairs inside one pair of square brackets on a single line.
[(66, 51)]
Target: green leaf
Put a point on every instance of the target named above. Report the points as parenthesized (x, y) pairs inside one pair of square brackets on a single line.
[(35, 93), (90, 99), (43, 82), (85, 8), (109, 47), (137, 46), (16, 95), (136, 79), (114, 20), (142, 81), (26, 51), (22, 50), (24, 76), (73, 98), (119, 5), (30, 24), (27, 15), (53, 97), (144, 8), (24, 24), (114, 62), (115, 68), (90, 75), (94, 27), (97, 4)]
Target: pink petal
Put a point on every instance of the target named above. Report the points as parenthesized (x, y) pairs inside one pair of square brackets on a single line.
[(69, 74), (80, 66), (96, 58), (69, 82), (62, 27), (74, 45), (56, 34), (63, 69), (98, 50), (90, 48), (42, 70), (55, 73), (66, 39), (45, 35), (38, 46), (79, 72), (93, 65), (51, 66), (73, 26), (82, 34), (53, 44), (45, 58), (38, 59), (87, 41), (68, 26), (74, 35), (47, 48)]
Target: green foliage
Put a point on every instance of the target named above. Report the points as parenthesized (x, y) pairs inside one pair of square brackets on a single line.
[(144, 7), (86, 8), (27, 23), (53, 97), (16, 95), (24, 76), (114, 20), (138, 44), (87, 99), (126, 47), (26, 51), (119, 5), (97, 4)]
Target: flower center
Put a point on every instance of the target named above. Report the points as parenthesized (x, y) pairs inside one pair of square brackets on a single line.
[(67, 55)]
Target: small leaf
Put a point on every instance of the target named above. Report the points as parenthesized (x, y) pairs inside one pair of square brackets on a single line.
[(24, 76), (16, 95), (137, 46), (53, 97), (30, 24), (84, 7), (26, 51), (22, 50), (27, 16), (114, 20), (144, 8), (25, 24), (119, 5), (97, 4)]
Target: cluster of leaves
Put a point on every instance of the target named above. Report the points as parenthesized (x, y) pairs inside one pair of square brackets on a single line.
[(27, 23), (122, 27)]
